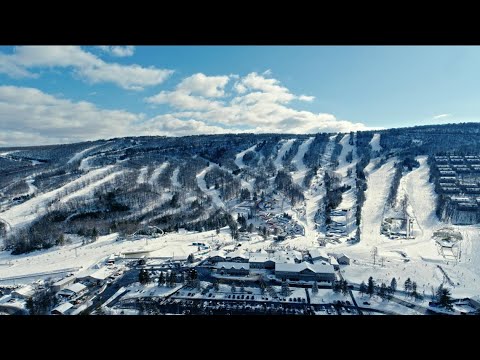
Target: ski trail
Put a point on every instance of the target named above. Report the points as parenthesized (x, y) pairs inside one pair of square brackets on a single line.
[(239, 156), (298, 161), (286, 145), (211, 192), (142, 176), (175, 182), (156, 173), (31, 209), (375, 142), (378, 183), (88, 190), (80, 154)]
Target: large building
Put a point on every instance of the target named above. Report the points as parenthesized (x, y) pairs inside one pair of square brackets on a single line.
[(233, 268), (72, 290), (63, 309), (59, 285), (305, 272), (261, 261)]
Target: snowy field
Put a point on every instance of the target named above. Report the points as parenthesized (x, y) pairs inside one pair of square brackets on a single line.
[(84, 257)]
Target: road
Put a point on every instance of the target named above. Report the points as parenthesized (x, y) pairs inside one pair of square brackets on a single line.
[(351, 295)]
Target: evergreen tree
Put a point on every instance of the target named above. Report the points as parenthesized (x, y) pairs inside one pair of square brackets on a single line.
[(40, 302), (337, 286), (161, 279), (233, 288), (414, 290), (363, 288), (173, 279), (190, 258), (383, 292), (371, 286), (344, 287), (216, 286), (285, 288), (144, 277), (393, 286), (250, 228), (408, 286), (444, 297), (315, 288), (94, 234)]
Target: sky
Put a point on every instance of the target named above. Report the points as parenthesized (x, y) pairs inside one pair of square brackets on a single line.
[(64, 94)]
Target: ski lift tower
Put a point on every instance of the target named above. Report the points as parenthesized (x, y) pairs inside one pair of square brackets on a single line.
[(409, 227)]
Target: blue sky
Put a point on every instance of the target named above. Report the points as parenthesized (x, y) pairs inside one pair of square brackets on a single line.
[(54, 94)]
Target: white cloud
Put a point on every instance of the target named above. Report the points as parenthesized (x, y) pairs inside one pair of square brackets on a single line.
[(207, 86), (306, 98), (29, 116), (193, 93), (441, 116), (88, 66), (118, 51), (260, 105), (182, 100)]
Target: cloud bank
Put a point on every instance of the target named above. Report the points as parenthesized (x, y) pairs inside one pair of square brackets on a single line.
[(84, 64)]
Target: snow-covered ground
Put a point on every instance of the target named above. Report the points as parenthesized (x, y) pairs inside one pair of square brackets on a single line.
[(343, 164), (375, 142), (28, 211), (32, 189), (80, 154), (378, 303), (175, 182), (298, 161), (142, 175), (90, 188), (420, 255), (239, 156), (75, 255), (156, 173), (327, 296), (214, 194), (286, 145), (136, 290)]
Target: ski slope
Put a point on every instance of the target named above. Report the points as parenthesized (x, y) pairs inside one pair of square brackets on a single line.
[(378, 183), (286, 145), (142, 176), (156, 173), (343, 164), (31, 209), (297, 160), (90, 188), (214, 194), (239, 157), (80, 154), (175, 182), (375, 142)]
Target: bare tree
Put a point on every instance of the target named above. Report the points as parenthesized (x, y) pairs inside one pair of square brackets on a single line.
[(374, 253)]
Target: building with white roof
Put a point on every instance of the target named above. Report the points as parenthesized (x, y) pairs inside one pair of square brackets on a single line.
[(96, 276), (72, 290), (318, 255), (305, 272), (63, 309), (233, 268), (59, 285), (24, 292)]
